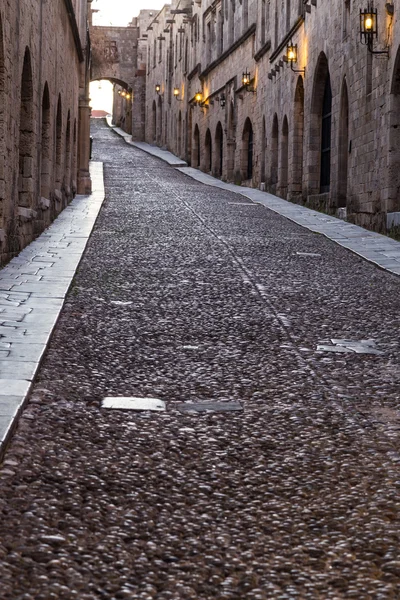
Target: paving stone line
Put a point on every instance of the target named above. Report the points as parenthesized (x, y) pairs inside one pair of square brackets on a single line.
[(373, 247), (33, 287)]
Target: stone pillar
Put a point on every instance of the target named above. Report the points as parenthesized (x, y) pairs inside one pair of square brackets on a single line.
[(84, 181)]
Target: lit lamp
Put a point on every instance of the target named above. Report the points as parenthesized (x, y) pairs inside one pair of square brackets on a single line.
[(198, 98), (123, 94), (128, 96), (369, 27), (176, 94), (291, 57), (158, 88), (246, 78)]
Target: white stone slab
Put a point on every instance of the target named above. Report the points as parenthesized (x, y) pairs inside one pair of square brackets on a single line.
[(14, 387), (132, 403)]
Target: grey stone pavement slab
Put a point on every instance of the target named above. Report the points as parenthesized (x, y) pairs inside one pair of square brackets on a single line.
[(373, 247), (33, 287)]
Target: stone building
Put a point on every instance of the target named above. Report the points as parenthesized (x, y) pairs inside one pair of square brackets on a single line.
[(44, 114), (323, 131)]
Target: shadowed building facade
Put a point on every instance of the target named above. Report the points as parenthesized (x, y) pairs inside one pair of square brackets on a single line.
[(44, 115), (322, 131)]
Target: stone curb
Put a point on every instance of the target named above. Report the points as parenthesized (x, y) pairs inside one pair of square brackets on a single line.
[(33, 288), (378, 249)]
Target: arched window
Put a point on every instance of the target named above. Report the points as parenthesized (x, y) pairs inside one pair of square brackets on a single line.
[(319, 149), (26, 136), (68, 156)]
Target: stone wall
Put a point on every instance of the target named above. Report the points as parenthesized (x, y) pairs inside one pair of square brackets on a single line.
[(274, 132), (42, 89)]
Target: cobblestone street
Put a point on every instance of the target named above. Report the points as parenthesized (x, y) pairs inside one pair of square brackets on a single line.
[(189, 293)]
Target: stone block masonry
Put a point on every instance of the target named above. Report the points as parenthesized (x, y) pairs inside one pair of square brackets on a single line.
[(44, 115)]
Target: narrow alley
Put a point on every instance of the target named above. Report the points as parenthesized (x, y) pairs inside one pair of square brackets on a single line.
[(192, 294)]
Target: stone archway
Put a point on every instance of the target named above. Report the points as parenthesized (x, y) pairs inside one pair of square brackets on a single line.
[(208, 155), (274, 155), (219, 150), (247, 150), (296, 184), (26, 168), (343, 147), (58, 157), (196, 147), (284, 159), (393, 171), (46, 163), (319, 155)]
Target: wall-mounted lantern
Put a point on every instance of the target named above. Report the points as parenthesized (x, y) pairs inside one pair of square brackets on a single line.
[(291, 57), (369, 26), (222, 100), (176, 94), (198, 99), (246, 79), (158, 88)]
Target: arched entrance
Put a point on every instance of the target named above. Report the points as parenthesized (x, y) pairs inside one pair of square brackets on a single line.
[(180, 134), (231, 143), (284, 159), (219, 150), (67, 185), (319, 158), (208, 152), (247, 150), (343, 147), (154, 123), (160, 122), (263, 151), (196, 147), (26, 136), (296, 185), (59, 144), (45, 169), (274, 154), (393, 172)]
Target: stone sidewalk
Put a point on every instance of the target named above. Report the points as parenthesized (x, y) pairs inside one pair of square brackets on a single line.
[(374, 247), (33, 287)]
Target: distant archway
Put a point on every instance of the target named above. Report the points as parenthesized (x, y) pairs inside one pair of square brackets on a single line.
[(160, 122), (154, 122), (219, 150), (180, 134), (263, 151), (231, 143), (26, 135), (68, 155), (45, 178)]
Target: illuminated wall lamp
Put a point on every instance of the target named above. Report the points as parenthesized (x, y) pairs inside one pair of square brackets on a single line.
[(291, 58), (369, 27), (158, 88), (246, 79), (176, 94)]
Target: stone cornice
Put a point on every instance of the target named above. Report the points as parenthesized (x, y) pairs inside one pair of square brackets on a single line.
[(286, 39), (263, 50), (75, 30), (251, 30)]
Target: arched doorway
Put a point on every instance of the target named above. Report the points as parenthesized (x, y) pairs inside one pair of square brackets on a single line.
[(393, 172), (26, 136), (231, 143), (45, 169), (180, 134), (263, 152), (160, 122), (284, 159), (343, 147), (247, 150), (296, 185), (219, 150), (59, 144), (274, 154), (208, 152), (319, 159), (196, 147), (2, 118), (154, 123), (67, 185)]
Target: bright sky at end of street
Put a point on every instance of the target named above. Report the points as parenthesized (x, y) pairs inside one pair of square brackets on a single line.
[(120, 12)]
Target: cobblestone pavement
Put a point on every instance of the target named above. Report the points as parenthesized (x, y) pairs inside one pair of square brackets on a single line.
[(188, 293)]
